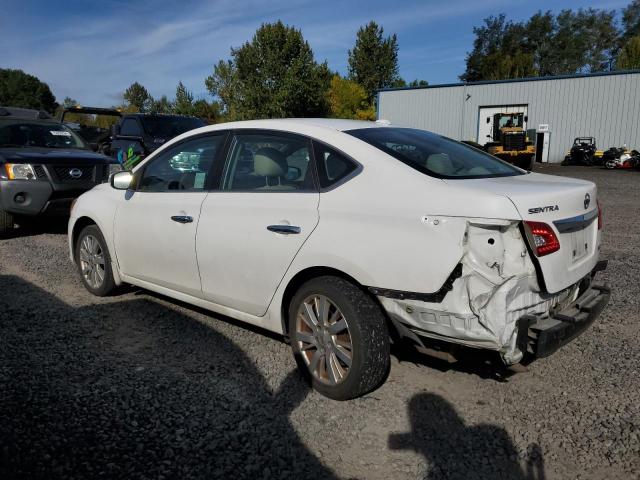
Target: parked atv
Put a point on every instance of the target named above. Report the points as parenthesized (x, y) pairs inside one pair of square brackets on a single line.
[(620, 157), (583, 152)]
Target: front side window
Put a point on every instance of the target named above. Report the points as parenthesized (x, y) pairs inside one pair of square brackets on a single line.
[(185, 167), (269, 162), (24, 133), (435, 155)]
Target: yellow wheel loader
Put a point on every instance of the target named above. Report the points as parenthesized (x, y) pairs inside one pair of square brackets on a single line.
[(509, 140)]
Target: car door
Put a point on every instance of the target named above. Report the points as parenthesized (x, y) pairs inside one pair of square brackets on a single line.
[(155, 224), (128, 146), (252, 227)]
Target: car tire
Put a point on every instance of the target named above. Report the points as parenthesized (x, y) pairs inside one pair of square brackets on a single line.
[(6, 222), (366, 331), (94, 262)]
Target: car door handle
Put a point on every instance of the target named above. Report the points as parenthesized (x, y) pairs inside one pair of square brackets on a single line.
[(182, 218), (286, 229)]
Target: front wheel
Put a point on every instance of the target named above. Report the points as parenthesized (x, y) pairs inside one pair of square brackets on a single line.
[(339, 338), (94, 262), (610, 164)]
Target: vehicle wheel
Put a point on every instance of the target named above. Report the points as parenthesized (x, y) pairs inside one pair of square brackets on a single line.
[(94, 262), (339, 338), (610, 164), (6, 222)]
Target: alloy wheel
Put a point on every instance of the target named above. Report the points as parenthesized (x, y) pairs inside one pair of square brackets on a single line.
[(324, 340), (92, 263)]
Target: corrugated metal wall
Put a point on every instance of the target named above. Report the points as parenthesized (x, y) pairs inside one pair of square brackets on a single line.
[(603, 106)]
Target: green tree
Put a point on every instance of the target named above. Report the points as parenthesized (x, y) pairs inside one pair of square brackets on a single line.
[(69, 102), (347, 98), (19, 89), (225, 85), (373, 61), (183, 105), (138, 97), (546, 44), (274, 75), (208, 111), (418, 83), (161, 105), (498, 52), (631, 19), (629, 56)]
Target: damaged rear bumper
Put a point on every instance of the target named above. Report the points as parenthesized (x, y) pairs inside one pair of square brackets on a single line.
[(541, 336)]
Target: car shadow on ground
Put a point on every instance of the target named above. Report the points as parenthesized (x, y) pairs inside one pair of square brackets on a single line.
[(38, 226), (133, 389), (485, 364)]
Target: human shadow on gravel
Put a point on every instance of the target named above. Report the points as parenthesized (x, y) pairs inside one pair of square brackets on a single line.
[(455, 451), (132, 389)]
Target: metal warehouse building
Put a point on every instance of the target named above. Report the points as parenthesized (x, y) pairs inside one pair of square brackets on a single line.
[(557, 109)]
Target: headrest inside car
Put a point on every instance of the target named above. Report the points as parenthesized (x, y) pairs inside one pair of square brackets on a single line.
[(269, 162)]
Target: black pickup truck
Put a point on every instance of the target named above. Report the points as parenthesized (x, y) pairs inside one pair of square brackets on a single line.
[(132, 136), (44, 166)]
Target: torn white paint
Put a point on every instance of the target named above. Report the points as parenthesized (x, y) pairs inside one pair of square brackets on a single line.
[(498, 286)]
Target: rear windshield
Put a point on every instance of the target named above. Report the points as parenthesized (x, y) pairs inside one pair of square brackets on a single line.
[(32, 133), (435, 155), (166, 127)]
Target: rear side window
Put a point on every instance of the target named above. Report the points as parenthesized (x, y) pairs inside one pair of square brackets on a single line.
[(435, 155), (332, 165)]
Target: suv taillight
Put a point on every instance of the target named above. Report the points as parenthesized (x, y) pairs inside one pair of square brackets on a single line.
[(543, 238), (600, 222)]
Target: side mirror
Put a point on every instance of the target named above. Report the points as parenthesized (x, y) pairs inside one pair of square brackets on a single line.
[(115, 130), (526, 118), (293, 173), (121, 180), (488, 119)]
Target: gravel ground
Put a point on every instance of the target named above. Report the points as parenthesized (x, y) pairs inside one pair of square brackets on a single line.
[(138, 386)]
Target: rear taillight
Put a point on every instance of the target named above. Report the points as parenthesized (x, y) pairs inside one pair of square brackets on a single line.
[(543, 237), (600, 222)]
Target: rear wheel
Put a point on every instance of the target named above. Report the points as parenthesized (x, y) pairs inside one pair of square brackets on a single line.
[(6, 222), (94, 262), (339, 338)]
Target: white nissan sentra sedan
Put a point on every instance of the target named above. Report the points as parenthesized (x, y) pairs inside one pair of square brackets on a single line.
[(342, 235)]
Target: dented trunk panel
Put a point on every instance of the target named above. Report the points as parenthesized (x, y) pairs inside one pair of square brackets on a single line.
[(552, 200), (498, 286)]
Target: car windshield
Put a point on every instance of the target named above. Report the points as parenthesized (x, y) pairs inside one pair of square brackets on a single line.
[(435, 155), (165, 126), (30, 133)]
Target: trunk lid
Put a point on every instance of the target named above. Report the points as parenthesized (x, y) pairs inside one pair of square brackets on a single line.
[(569, 207)]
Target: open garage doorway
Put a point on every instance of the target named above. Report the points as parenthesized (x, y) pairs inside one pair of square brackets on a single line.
[(485, 128)]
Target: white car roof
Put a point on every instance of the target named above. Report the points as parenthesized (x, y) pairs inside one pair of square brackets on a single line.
[(337, 124), (324, 128)]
